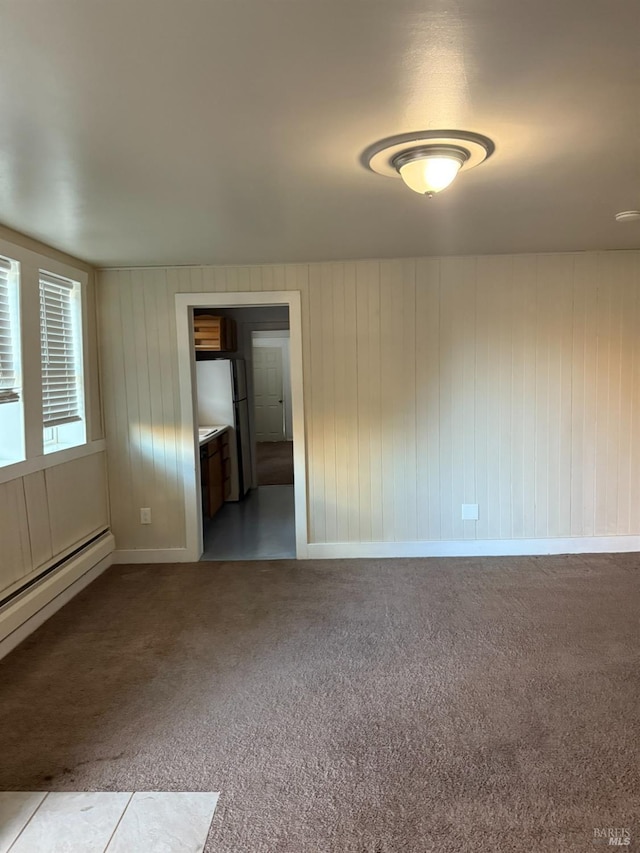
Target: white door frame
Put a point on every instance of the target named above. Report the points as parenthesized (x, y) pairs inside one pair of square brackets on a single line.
[(187, 440)]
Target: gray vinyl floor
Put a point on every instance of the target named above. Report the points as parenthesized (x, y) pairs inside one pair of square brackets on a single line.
[(261, 527)]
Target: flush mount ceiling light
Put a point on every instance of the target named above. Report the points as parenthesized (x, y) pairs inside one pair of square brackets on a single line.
[(427, 161), (628, 216)]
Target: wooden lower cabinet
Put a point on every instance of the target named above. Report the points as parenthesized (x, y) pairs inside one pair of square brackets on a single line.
[(215, 469), (216, 486), (226, 478), (226, 465)]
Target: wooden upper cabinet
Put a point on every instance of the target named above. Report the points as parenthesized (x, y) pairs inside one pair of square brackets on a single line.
[(214, 334)]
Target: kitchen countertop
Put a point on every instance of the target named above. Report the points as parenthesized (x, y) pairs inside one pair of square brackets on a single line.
[(206, 433)]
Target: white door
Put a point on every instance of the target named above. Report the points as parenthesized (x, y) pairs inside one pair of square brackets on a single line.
[(267, 389)]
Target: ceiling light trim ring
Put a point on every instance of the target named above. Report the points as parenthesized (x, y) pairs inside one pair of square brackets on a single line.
[(628, 216), (455, 152), (380, 156)]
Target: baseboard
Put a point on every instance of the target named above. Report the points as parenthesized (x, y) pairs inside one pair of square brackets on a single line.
[(28, 611), (473, 547), (153, 555), (432, 548)]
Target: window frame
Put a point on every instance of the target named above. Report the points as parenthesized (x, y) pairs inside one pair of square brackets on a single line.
[(14, 304), (31, 262), (76, 305)]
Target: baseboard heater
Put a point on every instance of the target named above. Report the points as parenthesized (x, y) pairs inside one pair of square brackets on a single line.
[(46, 572), (26, 607)]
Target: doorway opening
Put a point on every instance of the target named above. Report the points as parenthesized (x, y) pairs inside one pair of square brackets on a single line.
[(247, 495), (272, 407), (243, 405)]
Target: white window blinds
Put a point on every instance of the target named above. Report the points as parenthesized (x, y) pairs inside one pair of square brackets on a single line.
[(61, 350), (9, 334)]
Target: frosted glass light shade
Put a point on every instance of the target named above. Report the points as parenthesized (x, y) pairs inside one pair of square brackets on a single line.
[(430, 174)]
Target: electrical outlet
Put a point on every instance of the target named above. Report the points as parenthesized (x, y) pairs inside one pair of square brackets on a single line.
[(145, 515), (469, 512)]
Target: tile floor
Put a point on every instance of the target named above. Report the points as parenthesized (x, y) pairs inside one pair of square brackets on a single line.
[(105, 822), (261, 527)]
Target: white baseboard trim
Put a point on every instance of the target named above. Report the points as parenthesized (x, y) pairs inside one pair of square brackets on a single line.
[(28, 611), (473, 547), (153, 555)]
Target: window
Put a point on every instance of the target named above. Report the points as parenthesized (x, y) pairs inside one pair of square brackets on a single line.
[(63, 415), (11, 406)]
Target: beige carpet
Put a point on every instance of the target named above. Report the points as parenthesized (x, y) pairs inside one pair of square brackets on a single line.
[(274, 463), (346, 706)]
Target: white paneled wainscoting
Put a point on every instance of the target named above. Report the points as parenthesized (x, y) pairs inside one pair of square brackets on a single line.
[(510, 382), (54, 526)]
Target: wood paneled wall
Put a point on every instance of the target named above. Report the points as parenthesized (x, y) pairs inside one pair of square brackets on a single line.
[(512, 382), (45, 513)]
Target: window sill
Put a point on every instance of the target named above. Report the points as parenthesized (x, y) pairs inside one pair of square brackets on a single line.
[(59, 446), (50, 460), (7, 463)]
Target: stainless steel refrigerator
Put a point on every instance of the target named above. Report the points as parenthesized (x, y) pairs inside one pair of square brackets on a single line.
[(222, 399)]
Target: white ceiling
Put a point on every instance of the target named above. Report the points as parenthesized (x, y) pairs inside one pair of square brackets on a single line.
[(222, 131)]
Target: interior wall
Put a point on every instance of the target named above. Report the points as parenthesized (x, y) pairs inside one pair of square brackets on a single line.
[(51, 504), (512, 382)]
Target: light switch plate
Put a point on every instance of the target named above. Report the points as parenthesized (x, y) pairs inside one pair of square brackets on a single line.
[(469, 512)]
